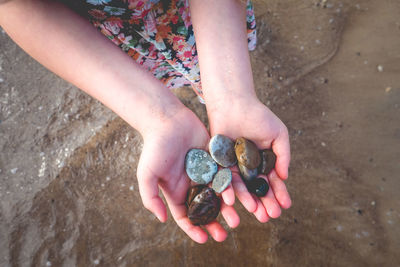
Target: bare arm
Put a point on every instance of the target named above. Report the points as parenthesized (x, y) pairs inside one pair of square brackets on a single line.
[(71, 47), (221, 41)]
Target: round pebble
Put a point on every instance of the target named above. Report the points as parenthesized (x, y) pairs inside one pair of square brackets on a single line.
[(268, 160), (193, 192), (247, 153), (200, 167), (247, 174), (258, 186), (222, 150), (221, 180), (203, 205)]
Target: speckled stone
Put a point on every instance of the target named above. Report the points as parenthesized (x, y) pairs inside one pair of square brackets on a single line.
[(222, 150), (248, 174), (247, 153), (200, 167), (258, 186), (268, 160), (221, 180)]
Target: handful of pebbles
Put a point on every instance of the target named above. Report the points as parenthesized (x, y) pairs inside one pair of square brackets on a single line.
[(202, 202)]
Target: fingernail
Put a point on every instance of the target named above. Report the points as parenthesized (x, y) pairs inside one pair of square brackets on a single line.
[(158, 217)]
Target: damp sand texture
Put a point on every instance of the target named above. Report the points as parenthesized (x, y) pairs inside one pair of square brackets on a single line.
[(68, 190)]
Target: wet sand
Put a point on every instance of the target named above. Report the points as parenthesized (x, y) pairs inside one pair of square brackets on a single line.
[(329, 69)]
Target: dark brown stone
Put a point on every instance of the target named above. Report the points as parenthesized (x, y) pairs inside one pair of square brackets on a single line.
[(247, 153), (268, 160), (192, 192), (203, 205)]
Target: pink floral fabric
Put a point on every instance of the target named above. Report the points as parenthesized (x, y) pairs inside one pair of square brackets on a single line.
[(158, 34)]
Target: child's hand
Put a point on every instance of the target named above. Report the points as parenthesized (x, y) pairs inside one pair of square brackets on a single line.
[(162, 166), (232, 106), (249, 118)]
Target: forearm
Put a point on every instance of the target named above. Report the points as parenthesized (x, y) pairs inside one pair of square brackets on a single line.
[(221, 40), (72, 48)]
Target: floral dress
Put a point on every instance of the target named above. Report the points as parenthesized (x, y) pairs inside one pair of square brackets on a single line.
[(158, 34)]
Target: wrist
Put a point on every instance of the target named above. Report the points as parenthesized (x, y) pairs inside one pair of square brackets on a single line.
[(226, 105), (227, 115), (222, 91), (174, 119)]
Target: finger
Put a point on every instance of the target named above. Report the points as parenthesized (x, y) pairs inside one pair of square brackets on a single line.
[(230, 215), (260, 212), (242, 193), (194, 232), (178, 212), (280, 190), (269, 202), (149, 192), (216, 231), (228, 195), (281, 148)]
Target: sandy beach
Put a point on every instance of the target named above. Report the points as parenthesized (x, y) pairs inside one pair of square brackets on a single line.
[(329, 69)]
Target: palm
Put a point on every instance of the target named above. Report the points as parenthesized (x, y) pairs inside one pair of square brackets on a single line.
[(256, 122), (162, 166), (167, 162)]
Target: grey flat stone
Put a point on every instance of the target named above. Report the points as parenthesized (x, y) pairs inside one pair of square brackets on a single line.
[(247, 174), (221, 180), (222, 150), (200, 167)]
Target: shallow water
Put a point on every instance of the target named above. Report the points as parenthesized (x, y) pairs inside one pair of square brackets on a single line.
[(68, 190)]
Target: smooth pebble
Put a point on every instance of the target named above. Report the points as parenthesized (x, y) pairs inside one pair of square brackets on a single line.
[(203, 205), (268, 160), (200, 167), (258, 186), (247, 153), (247, 174), (222, 150), (221, 180)]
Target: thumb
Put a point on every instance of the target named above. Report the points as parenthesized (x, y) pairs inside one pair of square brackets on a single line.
[(281, 148), (149, 191)]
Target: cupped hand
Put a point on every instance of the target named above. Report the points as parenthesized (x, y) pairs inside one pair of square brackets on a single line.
[(161, 166), (251, 119)]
